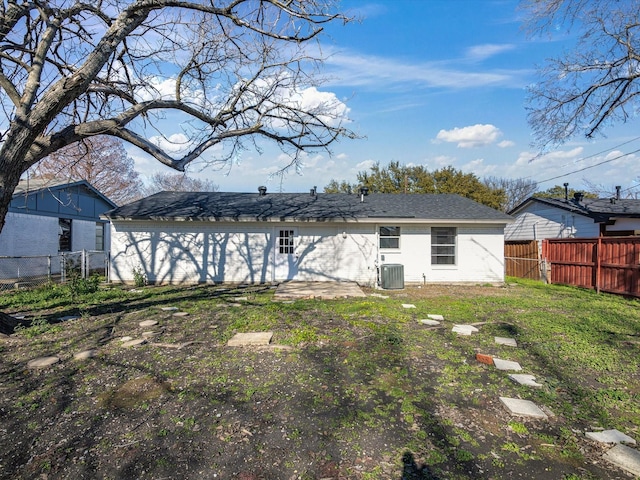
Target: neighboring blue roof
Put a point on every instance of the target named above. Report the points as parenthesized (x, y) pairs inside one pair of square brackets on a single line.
[(229, 206), (60, 199)]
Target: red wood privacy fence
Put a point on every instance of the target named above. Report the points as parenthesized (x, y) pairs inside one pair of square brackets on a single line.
[(608, 264)]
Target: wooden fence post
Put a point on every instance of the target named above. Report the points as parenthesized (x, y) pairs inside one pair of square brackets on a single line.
[(598, 249)]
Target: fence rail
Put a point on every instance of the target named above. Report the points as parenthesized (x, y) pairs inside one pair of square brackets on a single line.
[(32, 271), (607, 264)]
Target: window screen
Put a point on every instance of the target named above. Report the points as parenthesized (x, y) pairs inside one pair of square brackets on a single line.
[(389, 237), (443, 246)]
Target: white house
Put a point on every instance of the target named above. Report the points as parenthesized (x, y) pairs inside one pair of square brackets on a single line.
[(538, 218), (387, 239), (46, 218)]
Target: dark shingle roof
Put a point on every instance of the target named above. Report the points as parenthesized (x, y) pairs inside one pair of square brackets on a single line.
[(600, 209), (229, 206)]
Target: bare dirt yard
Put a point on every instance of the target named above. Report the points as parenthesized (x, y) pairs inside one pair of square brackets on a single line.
[(347, 389)]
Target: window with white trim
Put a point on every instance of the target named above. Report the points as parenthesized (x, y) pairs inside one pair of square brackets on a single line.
[(443, 245), (389, 237)]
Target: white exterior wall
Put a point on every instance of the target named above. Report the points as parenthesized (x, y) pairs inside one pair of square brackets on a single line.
[(625, 224), (537, 221), (193, 252)]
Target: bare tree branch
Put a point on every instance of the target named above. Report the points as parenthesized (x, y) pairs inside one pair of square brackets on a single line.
[(596, 84), (224, 72)]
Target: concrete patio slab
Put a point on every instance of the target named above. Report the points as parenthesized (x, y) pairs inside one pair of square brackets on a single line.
[(506, 364), (524, 379), (525, 408), (624, 457), (325, 290), (250, 338), (610, 436), (464, 329), (510, 342)]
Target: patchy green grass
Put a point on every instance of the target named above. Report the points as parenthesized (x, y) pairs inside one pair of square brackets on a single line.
[(360, 390)]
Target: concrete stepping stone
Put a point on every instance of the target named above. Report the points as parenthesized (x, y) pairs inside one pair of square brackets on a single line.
[(150, 334), (125, 339), (66, 318), (429, 322), (134, 343), (464, 329), (379, 295), (506, 364), (408, 305), (42, 362), (511, 342), (85, 354), (624, 457), (250, 338), (434, 316), (525, 408), (181, 314), (168, 309), (240, 299), (148, 323), (524, 379), (610, 436)]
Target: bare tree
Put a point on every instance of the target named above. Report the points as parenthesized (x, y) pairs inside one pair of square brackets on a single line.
[(177, 182), (102, 161), (225, 72), (516, 190), (582, 91)]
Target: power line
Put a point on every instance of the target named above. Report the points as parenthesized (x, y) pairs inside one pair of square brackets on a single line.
[(590, 166)]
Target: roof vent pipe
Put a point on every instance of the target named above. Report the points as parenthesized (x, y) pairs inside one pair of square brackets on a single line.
[(566, 192), (578, 196), (262, 191), (364, 191), (618, 189)]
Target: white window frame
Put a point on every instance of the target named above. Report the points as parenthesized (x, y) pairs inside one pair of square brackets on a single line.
[(382, 237), (436, 255)]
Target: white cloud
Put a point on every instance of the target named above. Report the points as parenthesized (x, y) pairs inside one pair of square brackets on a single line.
[(550, 159), (506, 144), (354, 69), (482, 52), (472, 136)]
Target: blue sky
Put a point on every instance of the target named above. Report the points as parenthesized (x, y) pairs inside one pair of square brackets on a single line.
[(436, 83)]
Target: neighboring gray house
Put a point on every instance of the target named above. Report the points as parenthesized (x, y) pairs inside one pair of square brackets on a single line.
[(212, 237), (46, 218), (538, 218)]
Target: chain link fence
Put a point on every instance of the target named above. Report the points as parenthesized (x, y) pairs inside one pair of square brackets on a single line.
[(33, 271)]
